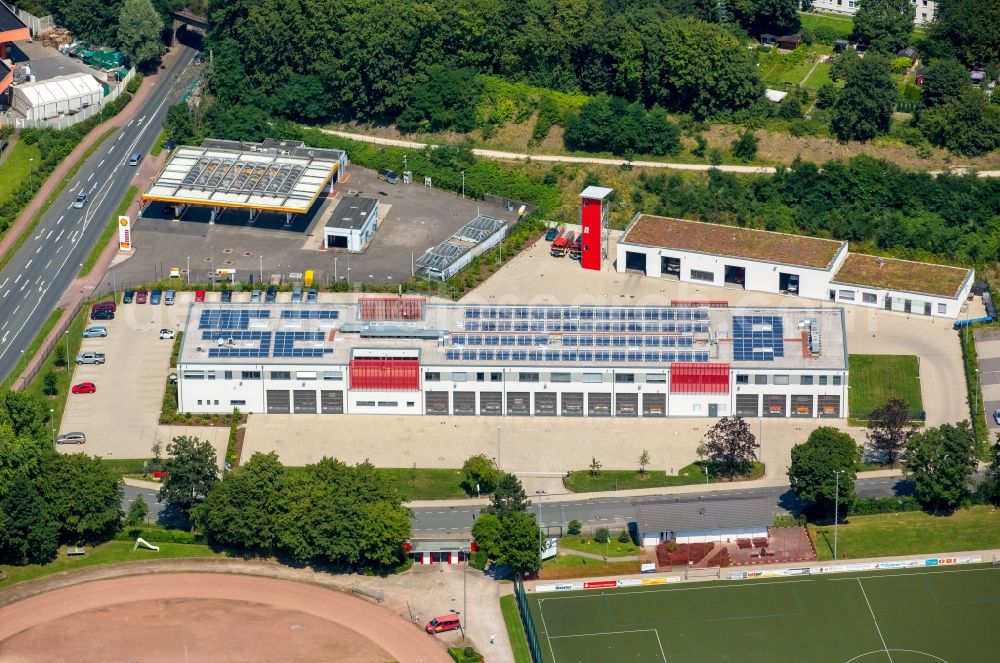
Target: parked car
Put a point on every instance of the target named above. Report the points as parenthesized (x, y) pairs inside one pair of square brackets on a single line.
[(155, 296), (140, 296), (71, 438), (442, 624), (167, 334), (84, 388), (255, 297), (80, 201), (102, 314), (551, 234), (90, 358), (297, 295), (199, 295), (793, 284), (128, 296), (313, 296), (271, 296), (95, 331), (169, 297), (996, 417), (226, 296), (175, 272), (104, 306)]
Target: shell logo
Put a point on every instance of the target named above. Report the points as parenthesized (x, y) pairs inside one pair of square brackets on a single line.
[(123, 221)]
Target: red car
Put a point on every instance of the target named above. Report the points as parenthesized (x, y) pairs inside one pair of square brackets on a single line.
[(199, 295), (140, 296), (84, 388)]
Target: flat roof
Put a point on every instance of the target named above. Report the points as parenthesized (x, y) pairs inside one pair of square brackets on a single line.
[(894, 274), (351, 213), (732, 241), (566, 337), (466, 238), (596, 192), (728, 512), (256, 176)]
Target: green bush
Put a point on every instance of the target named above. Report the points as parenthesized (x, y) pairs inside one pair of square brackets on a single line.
[(478, 560), (159, 535), (465, 654), (602, 535), (574, 527), (624, 537), (874, 505)]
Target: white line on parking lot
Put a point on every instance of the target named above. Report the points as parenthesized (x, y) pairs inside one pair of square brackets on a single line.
[(5, 282), (100, 164), (60, 219), (48, 263), (28, 265)]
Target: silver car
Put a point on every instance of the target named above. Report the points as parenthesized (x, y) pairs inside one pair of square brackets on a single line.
[(80, 201), (95, 331), (72, 438)]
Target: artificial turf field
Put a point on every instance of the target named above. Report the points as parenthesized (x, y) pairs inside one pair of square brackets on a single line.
[(946, 615)]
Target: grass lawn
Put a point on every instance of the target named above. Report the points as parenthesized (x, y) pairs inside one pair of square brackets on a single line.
[(819, 77), (842, 25), (874, 379), (421, 483), (975, 528), (106, 553), (73, 338), (14, 170), (110, 229), (582, 482), (158, 143), (575, 566), (36, 344), (613, 548), (515, 631)]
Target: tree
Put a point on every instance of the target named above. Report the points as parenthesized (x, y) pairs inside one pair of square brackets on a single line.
[(487, 532), (643, 461), (731, 444), (602, 535), (864, 107), (384, 528), (137, 512), (944, 80), (481, 474), (888, 430), (28, 532), (990, 486), (595, 467), (60, 359), (83, 495), (50, 383), (967, 29), (519, 546), (25, 413), (968, 124), (790, 108), (509, 496), (826, 95), (191, 472), (624, 537), (139, 30), (745, 146), (446, 100), (885, 25), (940, 461), (815, 464), (244, 509), (178, 124)]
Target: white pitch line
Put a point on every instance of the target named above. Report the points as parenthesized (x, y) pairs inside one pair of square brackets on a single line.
[(877, 629)]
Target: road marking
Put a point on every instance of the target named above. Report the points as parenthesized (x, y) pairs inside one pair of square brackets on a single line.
[(112, 149), (48, 263), (129, 123), (60, 219), (5, 293), (121, 134), (17, 278), (15, 309), (141, 119), (59, 236), (50, 234), (5, 325), (60, 248), (5, 282), (91, 177), (29, 264), (38, 249), (877, 629), (23, 286)]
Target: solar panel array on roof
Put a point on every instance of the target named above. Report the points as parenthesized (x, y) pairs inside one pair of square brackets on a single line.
[(310, 315), (284, 344), (229, 319), (263, 340), (758, 337), (585, 313), (568, 340), (620, 356), (586, 326)]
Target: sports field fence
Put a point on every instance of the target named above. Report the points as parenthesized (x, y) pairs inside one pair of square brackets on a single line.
[(527, 621)]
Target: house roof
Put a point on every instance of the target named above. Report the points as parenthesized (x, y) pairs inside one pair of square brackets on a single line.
[(905, 275), (596, 192), (9, 21), (727, 512), (351, 213), (60, 88), (732, 241)]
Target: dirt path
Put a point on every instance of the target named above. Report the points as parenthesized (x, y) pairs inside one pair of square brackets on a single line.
[(80, 593)]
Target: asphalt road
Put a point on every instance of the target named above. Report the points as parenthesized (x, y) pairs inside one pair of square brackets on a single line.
[(37, 277), (615, 512)]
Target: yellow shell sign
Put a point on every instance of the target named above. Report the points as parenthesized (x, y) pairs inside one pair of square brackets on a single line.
[(124, 233)]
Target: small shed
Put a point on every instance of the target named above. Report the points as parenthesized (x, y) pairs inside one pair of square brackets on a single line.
[(57, 96), (977, 76), (439, 550), (775, 95), (909, 52), (840, 45), (787, 42), (352, 224), (704, 520)]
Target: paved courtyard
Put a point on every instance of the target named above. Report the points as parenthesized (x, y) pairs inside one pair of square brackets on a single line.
[(988, 351)]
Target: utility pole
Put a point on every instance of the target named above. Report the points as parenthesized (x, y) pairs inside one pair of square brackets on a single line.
[(836, 511), (463, 184), (465, 596), (189, 271)]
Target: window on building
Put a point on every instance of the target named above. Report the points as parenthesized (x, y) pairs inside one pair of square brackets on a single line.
[(366, 403), (592, 377), (560, 377), (805, 379), (459, 377), (942, 309), (847, 295), (281, 375), (656, 377), (432, 376), (250, 375), (742, 379), (836, 380), (780, 379), (480, 377), (194, 375), (760, 379), (238, 402), (388, 403), (210, 375), (822, 380), (199, 401), (698, 275), (333, 375), (927, 308), (496, 377), (527, 377), (227, 375), (216, 402), (624, 378), (305, 375), (869, 297)]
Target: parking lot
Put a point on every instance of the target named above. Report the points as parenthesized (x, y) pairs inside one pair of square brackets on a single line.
[(48, 62), (988, 350), (416, 218)]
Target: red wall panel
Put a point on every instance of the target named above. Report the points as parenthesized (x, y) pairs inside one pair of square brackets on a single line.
[(385, 374), (590, 219), (699, 378)]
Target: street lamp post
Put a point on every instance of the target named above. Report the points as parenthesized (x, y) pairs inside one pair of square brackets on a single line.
[(336, 279), (261, 273), (463, 184), (31, 181), (539, 493), (52, 425), (836, 511), (465, 596), (189, 270), (498, 447)]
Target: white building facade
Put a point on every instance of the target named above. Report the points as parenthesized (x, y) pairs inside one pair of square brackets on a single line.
[(352, 224), (516, 361), (923, 9)]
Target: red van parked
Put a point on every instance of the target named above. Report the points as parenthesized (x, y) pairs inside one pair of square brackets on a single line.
[(104, 306), (442, 624)]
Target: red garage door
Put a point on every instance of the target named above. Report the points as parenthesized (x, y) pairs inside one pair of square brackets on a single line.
[(699, 378)]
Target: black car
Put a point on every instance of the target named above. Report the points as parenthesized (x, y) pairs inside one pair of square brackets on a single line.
[(102, 314), (128, 297), (227, 296), (271, 296)]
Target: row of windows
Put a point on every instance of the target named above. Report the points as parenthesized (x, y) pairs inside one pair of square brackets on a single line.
[(273, 375), (233, 402), (822, 380), (891, 303), (626, 378)]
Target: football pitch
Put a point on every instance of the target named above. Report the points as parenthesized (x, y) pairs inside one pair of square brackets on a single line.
[(908, 616)]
